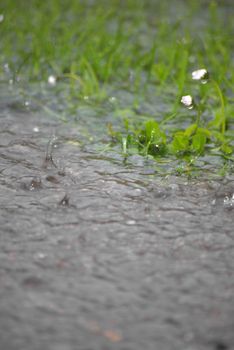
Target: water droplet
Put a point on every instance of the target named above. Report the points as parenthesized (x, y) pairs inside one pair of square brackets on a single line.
[(131, 222), (36, 129), (187, 101), (213, 202), (35, 184), (52, 80), (228, 202), (1, 18), (40, 255), (112, 99), (64, 201), (6, 68)]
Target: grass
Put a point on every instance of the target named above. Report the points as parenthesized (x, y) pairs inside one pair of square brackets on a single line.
[(148, 48)]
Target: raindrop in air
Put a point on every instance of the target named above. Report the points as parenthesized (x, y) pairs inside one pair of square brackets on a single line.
[(112, 99), (52, 80), (6, 68), (40, 255), (36, 129), (131, 222)]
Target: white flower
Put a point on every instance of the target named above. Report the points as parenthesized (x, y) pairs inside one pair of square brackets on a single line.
[(200, 74), (187, 101)]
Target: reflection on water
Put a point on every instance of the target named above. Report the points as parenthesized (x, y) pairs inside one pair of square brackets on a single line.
[(104, 254)]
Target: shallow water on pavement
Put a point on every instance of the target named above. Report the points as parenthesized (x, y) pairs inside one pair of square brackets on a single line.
[(97, 253)]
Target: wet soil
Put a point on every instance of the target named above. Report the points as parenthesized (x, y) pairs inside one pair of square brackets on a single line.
[(97, 253)]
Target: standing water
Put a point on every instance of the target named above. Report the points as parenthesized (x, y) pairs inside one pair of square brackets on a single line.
[(98, 251), (101, 253)]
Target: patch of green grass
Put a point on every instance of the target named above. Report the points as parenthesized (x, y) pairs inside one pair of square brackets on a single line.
[(148, 48), (199, 137)]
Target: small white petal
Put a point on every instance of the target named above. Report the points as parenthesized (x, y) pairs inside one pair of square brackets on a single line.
[(187, 100), (200, 74)]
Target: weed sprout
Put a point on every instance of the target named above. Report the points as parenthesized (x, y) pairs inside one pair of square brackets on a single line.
[(202, 75)]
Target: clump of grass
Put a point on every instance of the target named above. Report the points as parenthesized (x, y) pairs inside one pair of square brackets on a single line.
[(102, 42), (201, 136)]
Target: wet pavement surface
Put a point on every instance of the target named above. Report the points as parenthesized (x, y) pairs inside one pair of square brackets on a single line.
[(100, 254)]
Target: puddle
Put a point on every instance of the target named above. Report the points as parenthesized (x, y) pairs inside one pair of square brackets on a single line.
[(101, 254)]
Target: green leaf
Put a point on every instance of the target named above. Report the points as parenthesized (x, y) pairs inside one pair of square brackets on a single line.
[(126, 124), (151, 129), (205, 132), (198, 142), (180, 142), (227, 149), (190, 130)]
